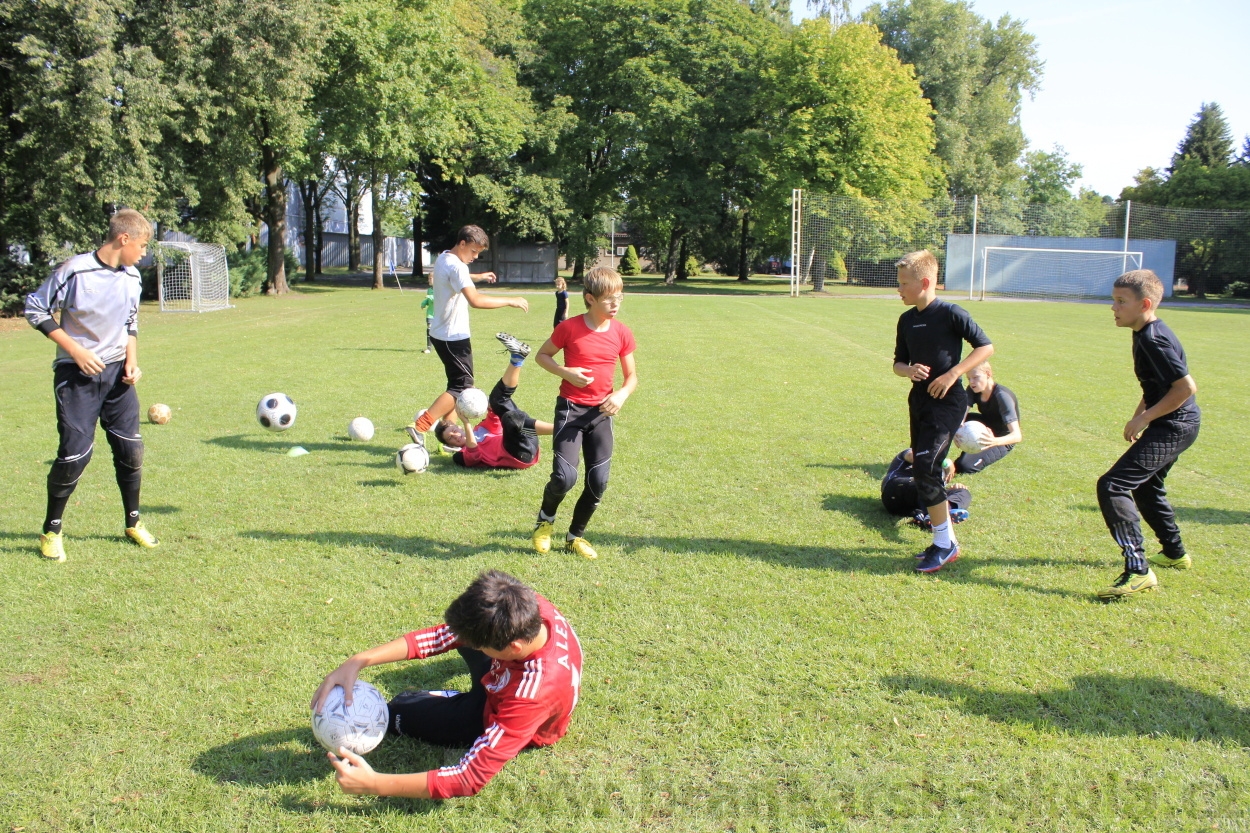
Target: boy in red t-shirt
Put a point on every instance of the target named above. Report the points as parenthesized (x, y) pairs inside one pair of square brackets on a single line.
[(584, 409), (508, 437), (526, 666)]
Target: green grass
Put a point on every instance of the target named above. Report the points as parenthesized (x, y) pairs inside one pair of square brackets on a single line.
[(759, 653)]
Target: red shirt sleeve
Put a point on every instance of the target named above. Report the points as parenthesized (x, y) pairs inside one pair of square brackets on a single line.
[(511, 731), (627, 341), (429, 642)]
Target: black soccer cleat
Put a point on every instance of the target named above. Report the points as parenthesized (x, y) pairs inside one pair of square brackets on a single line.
[(513, 345)]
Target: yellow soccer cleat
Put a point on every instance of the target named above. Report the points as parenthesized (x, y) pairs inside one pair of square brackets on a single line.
[(542, 536), (1162, 560), (582, 547), (140, 535), (1128, 584), (52, 546)]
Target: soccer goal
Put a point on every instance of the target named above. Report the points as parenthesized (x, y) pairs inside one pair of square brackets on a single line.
[(1019, 272), (194, 277)]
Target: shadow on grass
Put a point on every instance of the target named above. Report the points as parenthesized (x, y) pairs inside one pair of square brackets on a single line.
[(159, 510), (379, 349), (281, 756), (414, 546), (1099, 704), (874, 470), (1211, 516), (243, 442), (863, 559), (868, 511)]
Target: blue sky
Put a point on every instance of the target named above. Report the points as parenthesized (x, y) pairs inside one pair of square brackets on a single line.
[(1123, 79)]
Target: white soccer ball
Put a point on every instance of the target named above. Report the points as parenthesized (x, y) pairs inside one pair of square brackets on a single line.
[(360, 428), (276, 412), (359, 728), (972, 436), (412, 459), (472, 404)]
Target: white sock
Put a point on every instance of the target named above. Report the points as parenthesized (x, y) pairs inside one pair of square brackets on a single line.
[(942, 534)]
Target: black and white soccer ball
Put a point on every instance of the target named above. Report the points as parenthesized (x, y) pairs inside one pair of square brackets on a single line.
[(412, 459), (972, 437), (276, 412), (472, 404), (360, 728)]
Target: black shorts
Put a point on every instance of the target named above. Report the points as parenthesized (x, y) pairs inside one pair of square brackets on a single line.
[(457, 358), (444, 718), (82, 401)]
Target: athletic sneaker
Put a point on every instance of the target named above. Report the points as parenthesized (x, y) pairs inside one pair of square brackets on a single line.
[(1128, 584), (513, 345), (958, 516), (52, 546), (542, 536), (582, 547), (140, 535), (1163, 560), (921, 520), (935, 558)]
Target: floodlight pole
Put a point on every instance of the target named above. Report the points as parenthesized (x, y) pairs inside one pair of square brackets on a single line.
[(612, 245), (972, 258), (1128, 213), (796, 233)]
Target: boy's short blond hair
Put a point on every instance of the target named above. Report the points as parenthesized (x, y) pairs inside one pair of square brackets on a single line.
[(601, 281), (561, 285), (921, 264), (986, 368), (1144, 283), (129, 221)]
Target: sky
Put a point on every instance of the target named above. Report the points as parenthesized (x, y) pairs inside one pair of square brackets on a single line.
[(1123, 79)]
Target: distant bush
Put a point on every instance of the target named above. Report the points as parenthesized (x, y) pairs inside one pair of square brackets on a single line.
[(1239, 289), (629, 263), (17, 280)]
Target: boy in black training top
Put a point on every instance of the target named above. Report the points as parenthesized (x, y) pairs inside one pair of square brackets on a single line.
[(927, 347), (1163, 426), (997, 409)]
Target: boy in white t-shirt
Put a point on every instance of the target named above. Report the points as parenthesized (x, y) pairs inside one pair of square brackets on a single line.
[(454, 293)]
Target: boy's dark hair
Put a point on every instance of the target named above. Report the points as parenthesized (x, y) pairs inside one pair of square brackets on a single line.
[(1144, 283), (129, 221), (440, 428), (474, 235), (494, 611)]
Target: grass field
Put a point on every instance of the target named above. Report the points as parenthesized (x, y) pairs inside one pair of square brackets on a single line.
[(759, 653)]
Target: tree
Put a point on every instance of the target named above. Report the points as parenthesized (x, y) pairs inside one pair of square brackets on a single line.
[(975, 74), (1208, 139), (87, 108), (629, 262), (1049, 176)]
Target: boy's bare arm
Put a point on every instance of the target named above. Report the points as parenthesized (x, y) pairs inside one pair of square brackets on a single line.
[(1176, 396), (546, 359), (130, 370), (613, 404), (356, 777), (345, 675), (939, 386), (479, 301), (915, 372)]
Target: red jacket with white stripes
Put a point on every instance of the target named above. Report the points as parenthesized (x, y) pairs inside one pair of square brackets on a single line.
[(528, 703)]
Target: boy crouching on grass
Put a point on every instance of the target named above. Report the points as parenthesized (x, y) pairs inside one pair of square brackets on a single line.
[(928, 343), (592, 343), (526, 666), (1164, 425), (95, 370)]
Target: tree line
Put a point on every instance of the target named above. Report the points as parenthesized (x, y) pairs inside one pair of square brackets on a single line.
[(691, 120)]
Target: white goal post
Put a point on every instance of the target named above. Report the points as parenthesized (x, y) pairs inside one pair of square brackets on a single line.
[(194, 277), (1016, 271)]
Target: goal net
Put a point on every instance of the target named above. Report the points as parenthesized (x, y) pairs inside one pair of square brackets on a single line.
[(194, 277), (1019, 272)]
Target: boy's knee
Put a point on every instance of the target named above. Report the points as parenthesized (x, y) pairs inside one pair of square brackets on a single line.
[(127, 451)]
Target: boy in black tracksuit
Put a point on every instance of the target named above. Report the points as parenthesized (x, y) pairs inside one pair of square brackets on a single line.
[(928, 344), (1164, 425)]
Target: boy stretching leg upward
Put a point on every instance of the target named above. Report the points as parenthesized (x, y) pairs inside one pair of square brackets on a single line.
[(586, 405), (454, 293), (95, 371), (1164, 425), (927, 346)]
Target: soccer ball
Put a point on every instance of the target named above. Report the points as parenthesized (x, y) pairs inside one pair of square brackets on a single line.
[(360, 428), (359, 728), (412, 459), (472, 404), (276, 412), (971, 437), (159, 414)]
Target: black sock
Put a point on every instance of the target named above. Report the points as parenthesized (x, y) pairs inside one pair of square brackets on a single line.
[(56, 509)]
